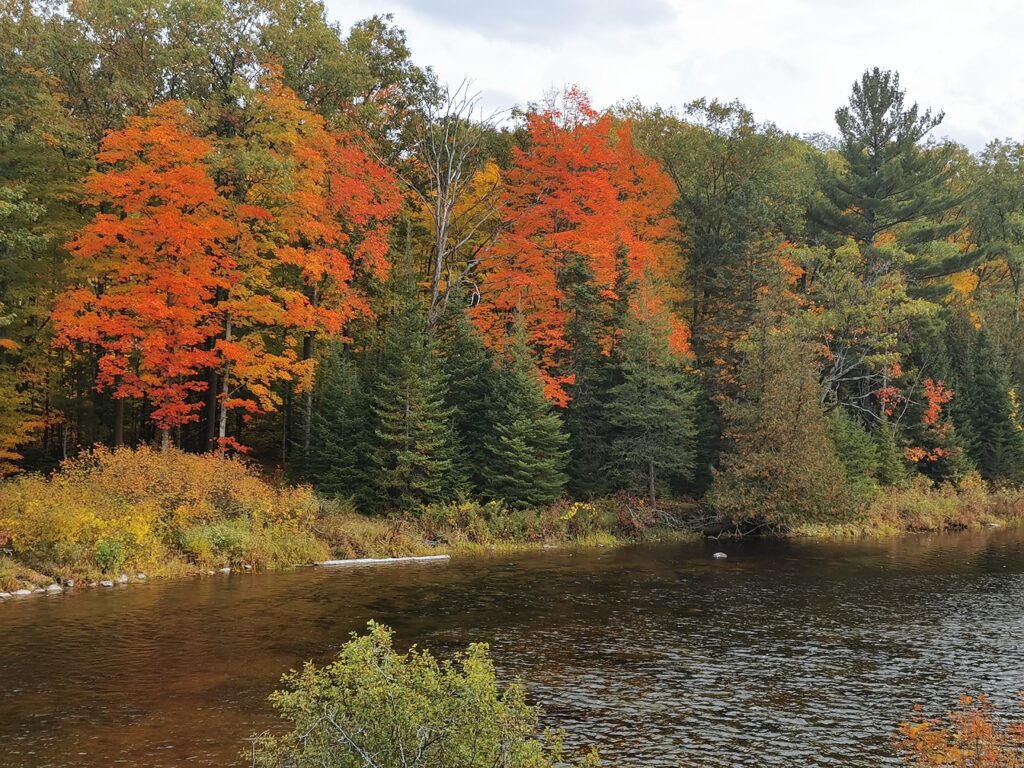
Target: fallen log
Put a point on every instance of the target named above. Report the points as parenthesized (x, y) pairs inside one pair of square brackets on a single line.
[(383, 560)]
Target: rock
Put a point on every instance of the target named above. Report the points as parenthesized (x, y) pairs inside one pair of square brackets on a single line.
[(5, 595), (210, 573), (246, 567), (106, 583), (991, 525), (226, 569), (719, 555), (140, 576), (54, 589), (549, 546), (38, 591), (122, 579), (21, 592), (69, 583)]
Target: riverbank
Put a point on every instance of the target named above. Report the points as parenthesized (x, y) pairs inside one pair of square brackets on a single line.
[(108, 516)]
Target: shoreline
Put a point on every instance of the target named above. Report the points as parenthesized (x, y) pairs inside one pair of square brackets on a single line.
[(43, 585)]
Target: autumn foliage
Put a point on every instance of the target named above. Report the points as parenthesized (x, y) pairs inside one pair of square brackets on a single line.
[(971, 736), (181, 275), (155, 257), (579, 190)]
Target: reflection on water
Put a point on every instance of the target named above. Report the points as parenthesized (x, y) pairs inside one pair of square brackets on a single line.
[(784, 654)]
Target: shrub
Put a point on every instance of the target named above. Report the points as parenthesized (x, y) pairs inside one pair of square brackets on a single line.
[(970, 736), (110, 555), (374, 701), (112, 509)]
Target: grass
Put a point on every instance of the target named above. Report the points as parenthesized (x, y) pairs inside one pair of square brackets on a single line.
[(923, 507)]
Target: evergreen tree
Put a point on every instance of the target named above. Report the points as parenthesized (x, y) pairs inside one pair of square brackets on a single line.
[(782, 468), (858, 453), (888, 179), (411, 457), (593, 325), (339, 431), (892, 466), (470, 378), (997, 447), (652, 411), (526, 452)]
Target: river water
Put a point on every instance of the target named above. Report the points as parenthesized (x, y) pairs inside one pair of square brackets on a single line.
[(785, 654)]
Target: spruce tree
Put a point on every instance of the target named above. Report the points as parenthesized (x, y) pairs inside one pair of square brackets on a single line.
[(339, 430), (470, 378), (858, 453), (592, 322), (652, 410), (526, 451), (997, 446), (411, 457)]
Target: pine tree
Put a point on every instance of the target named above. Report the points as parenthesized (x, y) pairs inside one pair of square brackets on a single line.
[(889, 179), (412, 449), (526, 452), (470, 377), (858, 453), (339, 430), (590, 320), (652, 411), (997, 447)]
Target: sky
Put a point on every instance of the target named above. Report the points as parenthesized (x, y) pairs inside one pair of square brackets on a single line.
[(791, 61)]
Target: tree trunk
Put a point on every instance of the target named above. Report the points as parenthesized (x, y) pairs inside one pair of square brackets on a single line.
[(211, 409), (225, 391), (118, 422), (650, 482), (307, 397), (165, 439)]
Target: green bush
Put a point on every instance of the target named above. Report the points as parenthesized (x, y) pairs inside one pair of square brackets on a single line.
[(110, 555), (405, 709)]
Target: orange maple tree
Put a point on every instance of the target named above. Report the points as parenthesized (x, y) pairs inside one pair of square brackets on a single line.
[(154, 260), (313, 213), (579, 190)]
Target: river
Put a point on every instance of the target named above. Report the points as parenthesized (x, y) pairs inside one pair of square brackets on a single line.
[(786, 653)]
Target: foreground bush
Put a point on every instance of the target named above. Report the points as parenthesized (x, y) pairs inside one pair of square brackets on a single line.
[(971, 736), (376, 708)]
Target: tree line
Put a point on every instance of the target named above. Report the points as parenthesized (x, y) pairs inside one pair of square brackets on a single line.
[(233, 226)]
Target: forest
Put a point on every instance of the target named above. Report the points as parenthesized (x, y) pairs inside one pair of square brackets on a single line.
[(230, 227)]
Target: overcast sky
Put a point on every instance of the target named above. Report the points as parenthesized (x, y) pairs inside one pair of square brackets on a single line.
[(791, 61)]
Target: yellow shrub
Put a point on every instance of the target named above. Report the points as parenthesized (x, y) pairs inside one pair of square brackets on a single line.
[(115, 508)]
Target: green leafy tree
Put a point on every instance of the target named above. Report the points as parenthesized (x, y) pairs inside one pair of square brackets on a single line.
[(374, 707), (526, 451), (743, 188)]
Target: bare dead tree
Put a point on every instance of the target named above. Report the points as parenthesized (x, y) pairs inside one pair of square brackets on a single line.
[(451, 152)]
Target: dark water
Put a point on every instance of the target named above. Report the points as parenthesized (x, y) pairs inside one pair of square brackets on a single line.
[(783, 655)]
